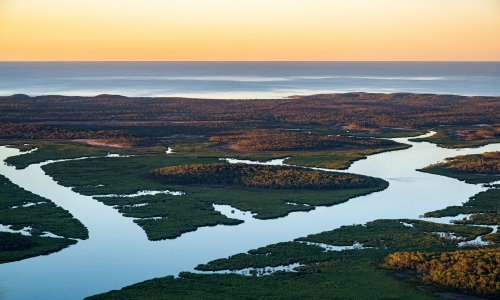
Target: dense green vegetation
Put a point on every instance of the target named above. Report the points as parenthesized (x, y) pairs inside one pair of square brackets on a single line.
[(174, 215), (21, 209), (469, 271), (345, 277), (14, 246), (388, 234), (352, 274), (258, 176), (380, 234)]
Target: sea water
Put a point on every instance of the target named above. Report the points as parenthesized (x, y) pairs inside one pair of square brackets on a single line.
[(247, 80)]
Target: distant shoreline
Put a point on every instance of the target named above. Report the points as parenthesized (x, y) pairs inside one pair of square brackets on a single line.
[(291, 97)]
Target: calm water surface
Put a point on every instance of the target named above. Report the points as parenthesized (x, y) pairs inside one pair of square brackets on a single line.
[(247, 80), (119, 254)]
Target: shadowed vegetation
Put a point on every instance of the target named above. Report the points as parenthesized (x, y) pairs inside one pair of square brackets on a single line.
[(21, 209)]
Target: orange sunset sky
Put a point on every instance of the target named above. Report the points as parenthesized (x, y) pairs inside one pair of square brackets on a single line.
[(264, 30)]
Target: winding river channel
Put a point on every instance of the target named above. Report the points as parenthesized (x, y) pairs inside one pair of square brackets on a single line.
[(118, 252)]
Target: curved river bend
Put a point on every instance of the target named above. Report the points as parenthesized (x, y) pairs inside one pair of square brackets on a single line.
[(119, 254)]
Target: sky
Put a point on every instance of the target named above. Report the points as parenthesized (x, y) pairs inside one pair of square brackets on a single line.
[(250, 30)]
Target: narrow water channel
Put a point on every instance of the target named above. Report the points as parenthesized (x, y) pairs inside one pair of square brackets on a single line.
[(118, 253)]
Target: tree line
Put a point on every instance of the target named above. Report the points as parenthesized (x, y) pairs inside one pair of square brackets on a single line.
[(487, 163), (470, 271)]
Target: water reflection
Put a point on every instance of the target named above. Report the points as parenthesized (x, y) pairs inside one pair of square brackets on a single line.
[(119, 254)]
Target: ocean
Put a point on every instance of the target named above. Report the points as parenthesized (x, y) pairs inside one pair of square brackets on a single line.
[(247, 80)]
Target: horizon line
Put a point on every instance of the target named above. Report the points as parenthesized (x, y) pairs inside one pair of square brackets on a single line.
[(258, 61)]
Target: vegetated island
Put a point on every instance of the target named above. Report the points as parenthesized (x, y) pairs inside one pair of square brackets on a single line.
[(266, 191), (36, 226), (476, 168)]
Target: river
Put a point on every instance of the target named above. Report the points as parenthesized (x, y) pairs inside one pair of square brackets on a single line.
[(118, 252)]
